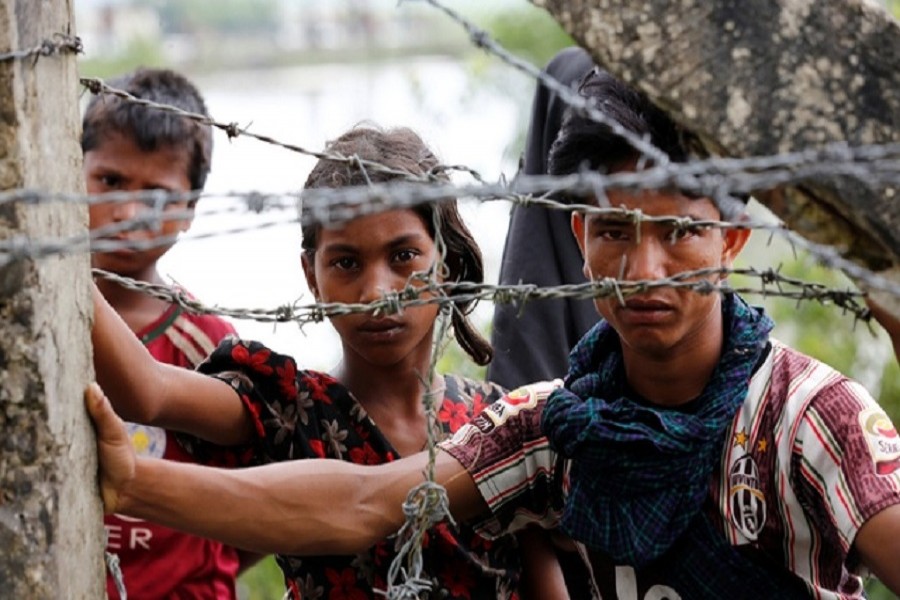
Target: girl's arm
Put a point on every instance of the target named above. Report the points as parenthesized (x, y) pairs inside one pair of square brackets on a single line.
[(144, 390), (297, 507)]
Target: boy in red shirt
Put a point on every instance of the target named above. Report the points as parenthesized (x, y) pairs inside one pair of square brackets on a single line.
[(131, 148)]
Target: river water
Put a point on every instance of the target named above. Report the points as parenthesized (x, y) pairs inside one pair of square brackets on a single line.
[(467, 120)]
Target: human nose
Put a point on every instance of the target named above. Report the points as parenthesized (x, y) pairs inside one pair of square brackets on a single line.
[(125, 211), (377, 280), (645, 260)]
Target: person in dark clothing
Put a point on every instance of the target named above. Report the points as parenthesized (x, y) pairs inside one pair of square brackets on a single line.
[(532, 343)]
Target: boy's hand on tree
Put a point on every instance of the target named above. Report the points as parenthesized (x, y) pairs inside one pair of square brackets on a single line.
[(114, 450)]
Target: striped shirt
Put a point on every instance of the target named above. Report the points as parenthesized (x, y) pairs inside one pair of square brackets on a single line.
[(807, 460)]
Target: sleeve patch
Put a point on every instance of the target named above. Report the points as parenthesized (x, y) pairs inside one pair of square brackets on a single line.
[(882, 440), (524, 398)]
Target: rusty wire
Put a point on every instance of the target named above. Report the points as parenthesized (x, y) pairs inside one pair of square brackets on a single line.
[(58, 43)]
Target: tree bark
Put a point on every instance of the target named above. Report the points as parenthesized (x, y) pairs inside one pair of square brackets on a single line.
[(764, 77), (50, 517)]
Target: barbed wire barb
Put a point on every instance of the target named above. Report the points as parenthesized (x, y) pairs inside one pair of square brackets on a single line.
[(58, 43)]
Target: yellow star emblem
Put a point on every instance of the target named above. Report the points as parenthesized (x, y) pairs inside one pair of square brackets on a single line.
[(740, 439), (762, 446)]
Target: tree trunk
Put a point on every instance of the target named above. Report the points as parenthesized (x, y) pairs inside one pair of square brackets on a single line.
[(50, 518), (763, 77)]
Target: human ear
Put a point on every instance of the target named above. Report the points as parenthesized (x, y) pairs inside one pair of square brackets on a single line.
[(734, 241), (309, 270), (577, 224)]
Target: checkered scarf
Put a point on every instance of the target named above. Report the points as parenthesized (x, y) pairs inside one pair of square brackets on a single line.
[(641, 473)]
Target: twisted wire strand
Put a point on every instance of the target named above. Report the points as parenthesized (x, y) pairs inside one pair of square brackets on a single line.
[(772, 283), (58, 43)]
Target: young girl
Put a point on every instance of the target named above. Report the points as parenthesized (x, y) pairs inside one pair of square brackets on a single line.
[(258, 407)]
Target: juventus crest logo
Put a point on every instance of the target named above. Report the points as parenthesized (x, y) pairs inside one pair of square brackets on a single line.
[(746, 502)]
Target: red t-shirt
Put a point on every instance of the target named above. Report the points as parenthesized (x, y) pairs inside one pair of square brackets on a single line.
[(158, 562)]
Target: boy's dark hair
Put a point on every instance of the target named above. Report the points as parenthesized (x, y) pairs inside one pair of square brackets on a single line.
[(403, 150), (150, 128), (584, 143)]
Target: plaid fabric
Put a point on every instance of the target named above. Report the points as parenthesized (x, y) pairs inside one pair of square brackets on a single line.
[(702, 564), (641, 473)]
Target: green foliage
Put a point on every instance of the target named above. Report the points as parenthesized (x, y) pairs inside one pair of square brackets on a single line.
[(528, 32), (262, 581), (453, 360), (139, 52)]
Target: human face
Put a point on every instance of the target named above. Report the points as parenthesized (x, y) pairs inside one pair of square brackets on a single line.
[(118, 164), (361, 261), (657, 322)]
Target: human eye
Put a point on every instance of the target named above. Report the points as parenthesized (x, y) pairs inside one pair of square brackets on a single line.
[(613, 233), (344, 263), (110, 181), (685, 232), (405, 255)]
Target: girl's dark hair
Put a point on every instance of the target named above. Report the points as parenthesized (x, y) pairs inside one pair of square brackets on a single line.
[(152, 129), (401, 149)]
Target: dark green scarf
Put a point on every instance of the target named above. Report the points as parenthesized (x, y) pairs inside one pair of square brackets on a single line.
[(640, 473)]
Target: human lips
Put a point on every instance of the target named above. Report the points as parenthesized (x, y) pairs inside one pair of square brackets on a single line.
[(646, 310), (122, 244), (381, 329)]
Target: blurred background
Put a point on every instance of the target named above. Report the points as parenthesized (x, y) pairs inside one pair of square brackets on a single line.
[(304, 71)]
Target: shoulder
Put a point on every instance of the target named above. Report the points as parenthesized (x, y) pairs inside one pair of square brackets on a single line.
[(251, 362), (211, 324), (203, 331), (794, 382), (471, 392), (832, 410)]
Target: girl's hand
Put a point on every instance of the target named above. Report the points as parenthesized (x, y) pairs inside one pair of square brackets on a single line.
[(114, 450)]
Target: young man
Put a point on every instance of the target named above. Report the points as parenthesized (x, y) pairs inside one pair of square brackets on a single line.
[(133, 148), (691, 455)]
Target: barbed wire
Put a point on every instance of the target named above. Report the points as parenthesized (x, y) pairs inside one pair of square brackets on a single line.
[(417, 292), (480, 38), (718, 178), (233, 130), (329, 206), (873, 164), (58, 43)]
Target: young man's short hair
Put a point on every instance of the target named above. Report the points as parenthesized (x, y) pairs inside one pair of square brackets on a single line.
[(151, 128), (585, 144)]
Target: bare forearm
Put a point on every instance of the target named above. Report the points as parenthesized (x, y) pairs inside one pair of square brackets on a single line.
[(298, 507), (143, 390), (125, 370)]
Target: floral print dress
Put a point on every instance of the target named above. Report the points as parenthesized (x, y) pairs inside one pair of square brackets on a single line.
[(308, 414)]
